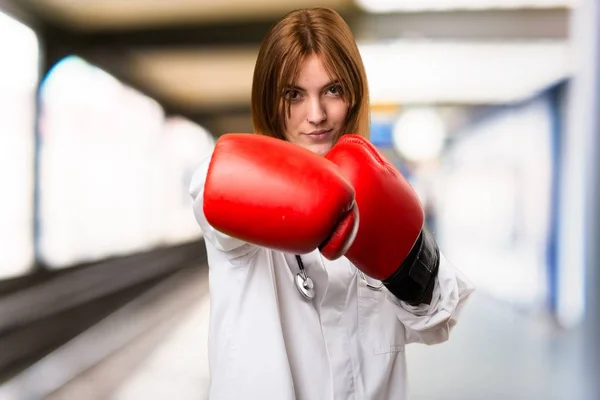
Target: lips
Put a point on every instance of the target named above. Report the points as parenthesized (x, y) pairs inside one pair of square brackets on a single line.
[(320, 134)]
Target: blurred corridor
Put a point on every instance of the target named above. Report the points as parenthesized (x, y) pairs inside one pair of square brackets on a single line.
[(488, 107)]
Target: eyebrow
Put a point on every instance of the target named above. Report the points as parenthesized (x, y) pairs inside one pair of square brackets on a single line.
[(331, 83)]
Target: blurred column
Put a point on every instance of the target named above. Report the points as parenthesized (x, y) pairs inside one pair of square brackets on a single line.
[(579, 253), (590, 18)]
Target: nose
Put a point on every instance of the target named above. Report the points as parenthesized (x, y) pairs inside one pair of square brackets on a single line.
[(316, 112)]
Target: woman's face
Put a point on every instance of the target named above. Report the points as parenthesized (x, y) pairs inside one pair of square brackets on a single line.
[(317, 109)]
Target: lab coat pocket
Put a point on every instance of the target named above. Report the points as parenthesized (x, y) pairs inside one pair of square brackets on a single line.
[(379, 328)]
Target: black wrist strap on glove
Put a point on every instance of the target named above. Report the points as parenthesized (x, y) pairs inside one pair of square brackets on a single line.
[(413, 282)]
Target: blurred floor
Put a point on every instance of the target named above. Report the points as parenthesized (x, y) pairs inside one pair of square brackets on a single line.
[(178, 368), (495, 352)]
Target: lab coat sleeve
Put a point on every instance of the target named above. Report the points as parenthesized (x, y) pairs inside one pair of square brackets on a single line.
[(237, 249), (432, 323)]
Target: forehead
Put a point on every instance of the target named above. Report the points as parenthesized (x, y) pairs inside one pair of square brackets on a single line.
[(313, 73)]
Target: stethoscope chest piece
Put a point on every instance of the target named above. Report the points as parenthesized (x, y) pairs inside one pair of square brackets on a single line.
[(304, 284)]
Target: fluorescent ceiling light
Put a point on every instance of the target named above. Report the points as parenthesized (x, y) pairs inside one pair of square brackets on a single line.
[(422, 72), (382, 6)]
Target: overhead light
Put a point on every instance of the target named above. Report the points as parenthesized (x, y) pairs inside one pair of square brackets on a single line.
[(419, 134), (432, 72), (384, 6)]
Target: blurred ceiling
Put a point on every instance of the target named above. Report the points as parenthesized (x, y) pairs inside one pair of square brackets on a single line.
[(139, 14), (197, 57)]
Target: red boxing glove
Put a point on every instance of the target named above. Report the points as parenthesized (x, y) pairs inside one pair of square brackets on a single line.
[(275, 194), (391, 244)]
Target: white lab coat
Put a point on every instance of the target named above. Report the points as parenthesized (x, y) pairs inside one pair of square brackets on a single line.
[(266, 342)]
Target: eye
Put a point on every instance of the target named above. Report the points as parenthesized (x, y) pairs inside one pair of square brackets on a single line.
[(335, 90), (292, 94)]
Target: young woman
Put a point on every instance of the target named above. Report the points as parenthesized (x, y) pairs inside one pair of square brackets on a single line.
[(320, 268)]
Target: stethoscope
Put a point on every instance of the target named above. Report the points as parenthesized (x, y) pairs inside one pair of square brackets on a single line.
[(306, 286)]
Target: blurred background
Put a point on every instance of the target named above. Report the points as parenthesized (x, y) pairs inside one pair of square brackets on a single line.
[(490, 108)]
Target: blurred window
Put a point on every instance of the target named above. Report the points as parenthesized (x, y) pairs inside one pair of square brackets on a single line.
[(18, 83), (100, 166)]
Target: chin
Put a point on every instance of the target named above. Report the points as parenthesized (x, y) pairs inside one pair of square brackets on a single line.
[(320, 149)]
